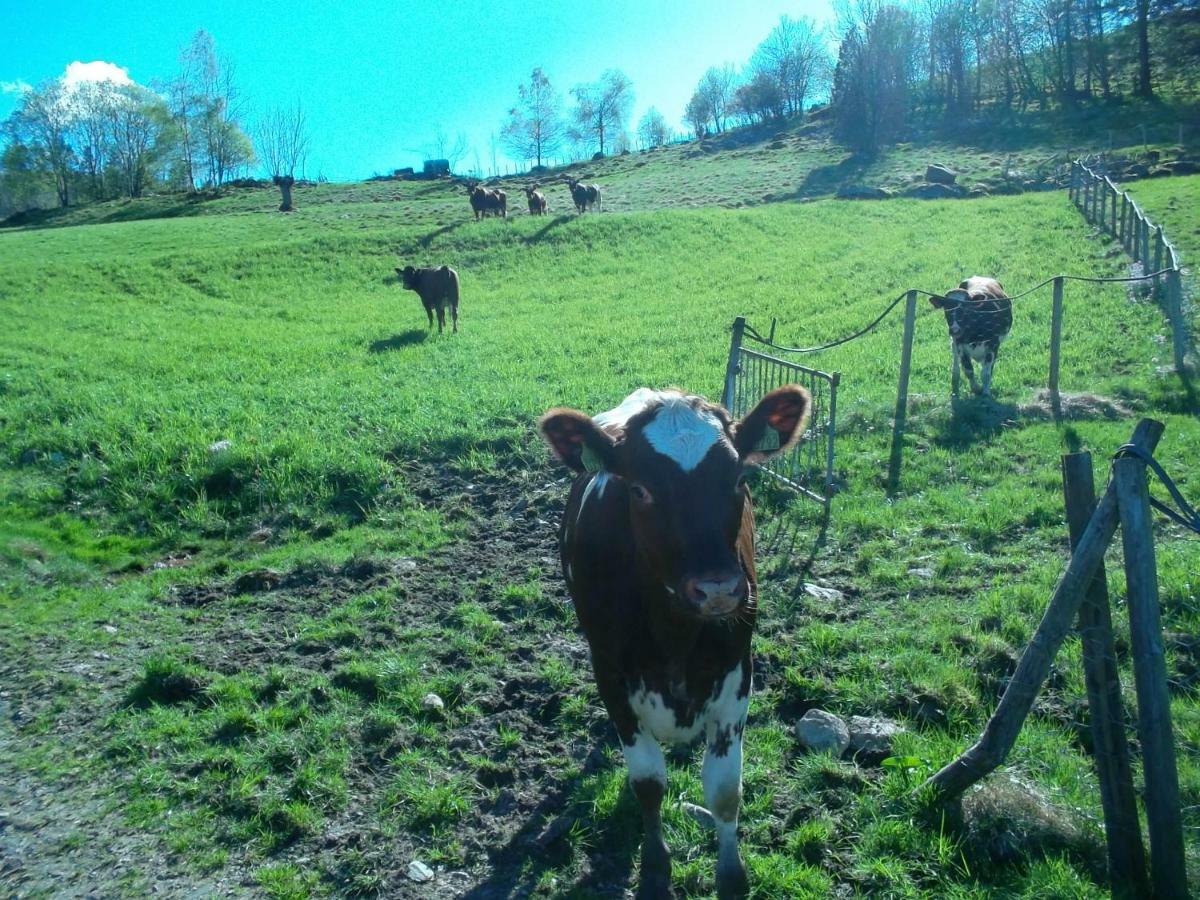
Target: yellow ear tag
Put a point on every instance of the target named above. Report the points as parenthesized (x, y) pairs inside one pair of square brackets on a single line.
[(591, 462)]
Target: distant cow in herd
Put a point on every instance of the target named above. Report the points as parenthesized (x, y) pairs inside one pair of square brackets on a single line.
[(657, 549), (537, 201), (979, 315), (487, 201), (437, 288), (586, 196)]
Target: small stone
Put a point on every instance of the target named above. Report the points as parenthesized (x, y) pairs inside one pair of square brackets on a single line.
[(261, 535), (921, 572), (419, 872), (405, 564), (111, 629), (432, 701), (823, 732), (873, 736), (220, 446), (823, 593)]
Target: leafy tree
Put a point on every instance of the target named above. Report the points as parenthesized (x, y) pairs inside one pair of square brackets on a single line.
[(873, 75), (137, 120), (207, 104), (697, 113), (535, 128), (759, 99), (602, 108), (43, 124)]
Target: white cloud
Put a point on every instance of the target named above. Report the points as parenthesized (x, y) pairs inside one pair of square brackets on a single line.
[(79, 72), (15, 87)]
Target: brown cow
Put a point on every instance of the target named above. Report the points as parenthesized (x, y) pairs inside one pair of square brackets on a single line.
[(537, 201), (437, 288), (487, 200), (979, 315), (657, 548), (586, 196)]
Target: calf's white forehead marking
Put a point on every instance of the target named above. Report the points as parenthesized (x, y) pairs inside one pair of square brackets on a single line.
[(682, 433), (630, 407)]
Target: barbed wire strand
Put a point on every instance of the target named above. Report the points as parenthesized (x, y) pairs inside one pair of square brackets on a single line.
[(750, 330)]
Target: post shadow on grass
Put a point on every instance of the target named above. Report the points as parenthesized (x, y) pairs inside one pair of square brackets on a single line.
[(972, 420), (543, 843), (541, 232), (398, 341)]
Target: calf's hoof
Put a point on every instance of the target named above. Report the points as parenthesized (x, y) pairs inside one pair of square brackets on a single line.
[(654, 886), (732, 882)]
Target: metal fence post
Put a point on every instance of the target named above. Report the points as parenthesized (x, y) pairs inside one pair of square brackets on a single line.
[(910, 317), (1158, 257), (833, 386), (1167, 869)]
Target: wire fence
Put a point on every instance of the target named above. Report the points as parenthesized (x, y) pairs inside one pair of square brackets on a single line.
[(1114, 211)]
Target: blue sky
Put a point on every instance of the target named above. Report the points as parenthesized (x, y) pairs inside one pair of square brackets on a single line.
[(377, 78)]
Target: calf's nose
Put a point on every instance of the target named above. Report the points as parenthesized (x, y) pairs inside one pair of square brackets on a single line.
[(714, 595)]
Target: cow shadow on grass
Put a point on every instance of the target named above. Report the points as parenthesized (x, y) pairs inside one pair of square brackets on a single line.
[(562, 821), (445, 229), (398, 341), (973, 420), (544, 230)]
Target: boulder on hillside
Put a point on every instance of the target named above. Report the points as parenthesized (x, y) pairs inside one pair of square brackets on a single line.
[(935, 191), (1182, 167), (862, 192), (936, 174)]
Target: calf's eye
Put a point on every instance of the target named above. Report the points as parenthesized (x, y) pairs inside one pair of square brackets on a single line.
[(640, 494)]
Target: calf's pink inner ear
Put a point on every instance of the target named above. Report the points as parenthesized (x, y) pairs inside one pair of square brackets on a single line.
[(786, 415)]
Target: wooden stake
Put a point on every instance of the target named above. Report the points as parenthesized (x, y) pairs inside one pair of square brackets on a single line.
[(1002, 728), (1126, 855), (1167, 869), (1056, 316), (910, 318)]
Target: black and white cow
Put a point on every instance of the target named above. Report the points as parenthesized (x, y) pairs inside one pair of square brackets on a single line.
[(979, 314), (657, 547)]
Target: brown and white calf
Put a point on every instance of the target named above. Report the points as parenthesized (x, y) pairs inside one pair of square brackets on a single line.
[(657, 548), (979, 315)]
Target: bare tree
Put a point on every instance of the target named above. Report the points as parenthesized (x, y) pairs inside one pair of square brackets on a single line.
[(794, 57), (652, 128), (602, 108), (453, 150), (216, 108), (697, 113), (535, 128), (717, 87), (282, 146), (91, 103)]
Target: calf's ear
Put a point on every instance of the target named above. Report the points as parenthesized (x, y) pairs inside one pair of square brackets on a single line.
[(773, 425), (577, 440)]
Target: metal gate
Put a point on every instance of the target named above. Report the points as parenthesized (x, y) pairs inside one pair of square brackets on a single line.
[(752, 372)]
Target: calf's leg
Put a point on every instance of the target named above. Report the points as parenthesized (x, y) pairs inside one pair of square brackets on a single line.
[(441, 317), (648, 777), (454, 315), (988, 362), (955, 374), (966, 362), (722, 777)]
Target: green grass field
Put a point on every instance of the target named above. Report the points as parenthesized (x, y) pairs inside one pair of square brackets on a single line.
[(222, 655)]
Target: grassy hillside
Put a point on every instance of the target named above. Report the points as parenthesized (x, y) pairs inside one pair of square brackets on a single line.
[(223, 650)]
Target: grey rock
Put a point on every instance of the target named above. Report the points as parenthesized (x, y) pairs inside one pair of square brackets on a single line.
[(823, 732), (419, 872), (862, 192), (698, 814), (935, 191), (432, 701), (220, 446), (936, 174), (823, 593), (872, 736)]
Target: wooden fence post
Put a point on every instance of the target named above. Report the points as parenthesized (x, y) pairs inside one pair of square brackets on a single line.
[(910, 317), (1124, 236), (1056, 316), (731, 367), (1158, 256), (1002, 728), (1123, 835), (1180, 339), (1167, 870)]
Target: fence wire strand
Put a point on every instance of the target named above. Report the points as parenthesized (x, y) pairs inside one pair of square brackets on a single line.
[(1185, 515)]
